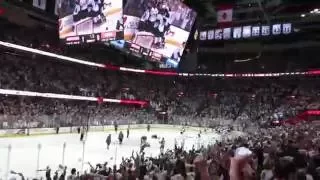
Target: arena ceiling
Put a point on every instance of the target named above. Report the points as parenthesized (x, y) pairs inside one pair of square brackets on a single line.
[(244, 12), (251, 12)]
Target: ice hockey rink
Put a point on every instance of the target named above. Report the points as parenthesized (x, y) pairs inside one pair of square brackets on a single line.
[(29, 153)]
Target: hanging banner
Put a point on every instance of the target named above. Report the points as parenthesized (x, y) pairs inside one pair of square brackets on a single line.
[(41, 4), (56, 7)]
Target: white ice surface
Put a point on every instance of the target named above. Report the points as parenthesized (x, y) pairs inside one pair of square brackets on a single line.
[(23, 156)]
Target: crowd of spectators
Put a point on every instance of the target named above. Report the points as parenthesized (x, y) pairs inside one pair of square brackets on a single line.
[(175, 100), (278, 153)]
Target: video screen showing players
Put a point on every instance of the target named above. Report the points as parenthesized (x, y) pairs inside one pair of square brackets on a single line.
[(158, 29), (88, 21)]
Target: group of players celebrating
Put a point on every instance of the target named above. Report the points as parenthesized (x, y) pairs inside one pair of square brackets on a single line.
[(90, 8), (155, 20), (143, 144)]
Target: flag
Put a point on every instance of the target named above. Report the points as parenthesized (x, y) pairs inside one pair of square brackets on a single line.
[(41, 4), (56, 7), (224, 14), (2, 11), (3, 7)]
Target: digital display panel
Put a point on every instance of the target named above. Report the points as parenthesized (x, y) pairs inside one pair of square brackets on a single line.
[(87, 21), (158, 27)]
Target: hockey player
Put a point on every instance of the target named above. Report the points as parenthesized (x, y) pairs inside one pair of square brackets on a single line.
[(76, 12), (148, 127), (143, 24), (80, 10), (57, 129), (108, 141), (162, 143), (82, 134), (98, 15), (128, 132), (152, 18), (120, 137), (158, 31), (120, 24), (183, 130), (163, 26), (116, 127)]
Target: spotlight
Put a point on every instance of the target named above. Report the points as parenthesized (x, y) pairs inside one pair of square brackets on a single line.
[(303, 15)]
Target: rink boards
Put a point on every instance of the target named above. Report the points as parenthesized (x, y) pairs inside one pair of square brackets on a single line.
[(65, 130)]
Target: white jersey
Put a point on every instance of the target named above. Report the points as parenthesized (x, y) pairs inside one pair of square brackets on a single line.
[(153, 14), (145, 16), (77, 9), (83, 4), (161, 24), (96, 6), (161, 27), (160, 18)]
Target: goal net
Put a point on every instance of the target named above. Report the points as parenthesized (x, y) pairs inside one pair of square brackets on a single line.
[(84, 26), (144, 39)]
